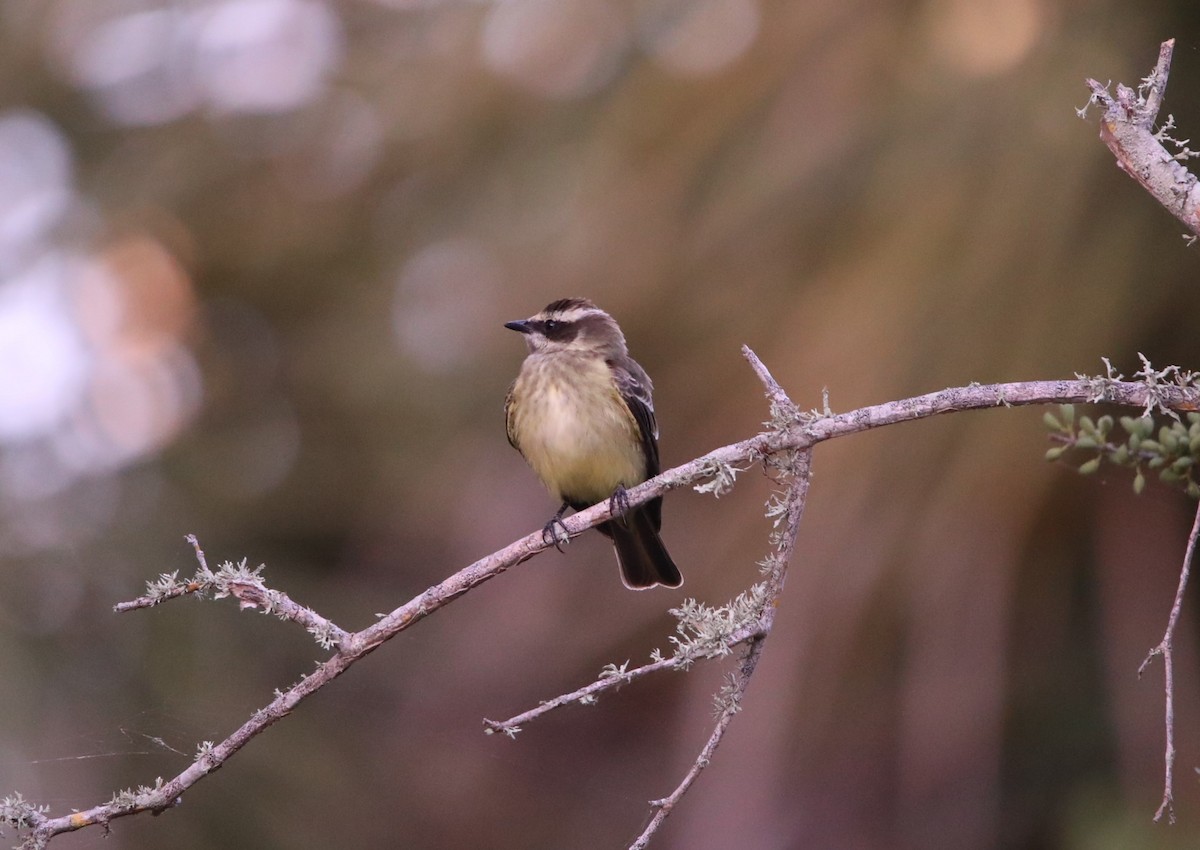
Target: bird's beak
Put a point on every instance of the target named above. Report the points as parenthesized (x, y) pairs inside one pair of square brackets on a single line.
[(522, 326)]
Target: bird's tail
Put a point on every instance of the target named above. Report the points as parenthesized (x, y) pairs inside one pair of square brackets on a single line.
[(643, 558)]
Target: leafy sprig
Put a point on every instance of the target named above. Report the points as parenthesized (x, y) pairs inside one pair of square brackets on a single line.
[(1171, 449)]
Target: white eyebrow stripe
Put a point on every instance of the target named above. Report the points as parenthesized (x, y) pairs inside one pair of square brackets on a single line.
[(573, 315)]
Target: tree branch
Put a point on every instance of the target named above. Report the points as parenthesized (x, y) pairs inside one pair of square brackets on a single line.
[(788, 444), (246, 586), (1127, 128), (799, 472), (1165, 648)]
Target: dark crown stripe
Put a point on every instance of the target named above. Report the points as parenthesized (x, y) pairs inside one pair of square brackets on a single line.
[(565, 304)]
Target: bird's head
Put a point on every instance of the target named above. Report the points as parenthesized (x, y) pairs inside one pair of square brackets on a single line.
[(573, 325)]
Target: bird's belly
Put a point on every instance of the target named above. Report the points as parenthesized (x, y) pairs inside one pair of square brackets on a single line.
[(583, 448)]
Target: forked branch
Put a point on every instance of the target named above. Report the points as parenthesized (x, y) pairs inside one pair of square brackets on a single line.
[(1127, 128), (1166, 648), (785, 446)]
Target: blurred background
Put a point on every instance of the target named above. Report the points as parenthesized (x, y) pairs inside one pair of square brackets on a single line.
[(255, 258)]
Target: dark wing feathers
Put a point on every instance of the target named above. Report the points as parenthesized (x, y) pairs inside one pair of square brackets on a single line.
[(635, 388), (509, 416)]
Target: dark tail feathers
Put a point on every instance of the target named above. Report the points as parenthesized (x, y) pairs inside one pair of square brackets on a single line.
[(643, 558)]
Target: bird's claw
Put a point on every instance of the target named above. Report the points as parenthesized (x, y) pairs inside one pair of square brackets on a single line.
[(618, 504), (554, 533)]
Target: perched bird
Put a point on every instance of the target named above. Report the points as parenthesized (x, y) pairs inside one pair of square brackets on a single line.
[(581, 414)]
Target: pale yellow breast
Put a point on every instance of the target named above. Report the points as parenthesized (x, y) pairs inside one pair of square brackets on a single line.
[(574, 429)]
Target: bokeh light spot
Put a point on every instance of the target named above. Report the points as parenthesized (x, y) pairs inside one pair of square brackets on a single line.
[(266, 55), (35, 181), (136, 295), (699, 37), (43, 361), (982, 39), (444, 303), (151, 66), (557, 48), (132, 64)]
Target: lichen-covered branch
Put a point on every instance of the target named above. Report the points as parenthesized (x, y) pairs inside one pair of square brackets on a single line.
[(704, 632), (242, 583), (1127, 128), (798, 474), (612, 676), (786, 443)]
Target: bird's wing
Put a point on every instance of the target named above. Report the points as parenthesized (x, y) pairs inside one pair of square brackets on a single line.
[(510, 415), (635, 388)]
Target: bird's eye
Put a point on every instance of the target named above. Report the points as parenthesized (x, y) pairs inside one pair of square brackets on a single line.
[(551, 325)]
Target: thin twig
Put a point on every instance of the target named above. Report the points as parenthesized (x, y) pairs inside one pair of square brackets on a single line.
[(149, 601), (197, 584), (200, 557), (1165, 648), (243, 584), (1156, 83), (664, 807), (583, 695), (797, 495), (799, 472), (775, 393), (589, 692)]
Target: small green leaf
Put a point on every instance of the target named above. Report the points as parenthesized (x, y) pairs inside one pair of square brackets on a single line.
[(1055, 453), (1139, 482), (1090, 467), (1051, 421)]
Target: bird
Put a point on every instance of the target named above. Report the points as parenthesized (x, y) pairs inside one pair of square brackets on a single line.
[(581, 413)]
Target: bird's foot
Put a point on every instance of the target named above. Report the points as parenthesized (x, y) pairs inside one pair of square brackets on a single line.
[(554, 533), (618, 504)]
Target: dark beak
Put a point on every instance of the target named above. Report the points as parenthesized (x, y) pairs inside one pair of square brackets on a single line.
[(522, 327)]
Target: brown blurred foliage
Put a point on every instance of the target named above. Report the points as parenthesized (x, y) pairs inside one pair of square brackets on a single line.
[(256, 258)]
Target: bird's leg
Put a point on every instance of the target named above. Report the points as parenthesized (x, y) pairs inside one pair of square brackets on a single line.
[(554, 533), (618, 504)]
